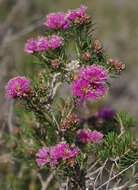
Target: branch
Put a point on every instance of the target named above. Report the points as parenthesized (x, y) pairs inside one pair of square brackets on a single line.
[(122, 129), (100, 173), (95, 163), (110, 175), (99, 169), (133, 185), (45, 183), (67, 187), (121, 187), (117, 175)]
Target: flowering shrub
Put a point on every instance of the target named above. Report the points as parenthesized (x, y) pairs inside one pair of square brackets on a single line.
[(53, 136)]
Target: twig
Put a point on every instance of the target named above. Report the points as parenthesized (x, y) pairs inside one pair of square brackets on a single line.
[(133, 185), (54, 79), (54, 118), (95, 163), (92, 173), (122, 127), (45, 183), (55, 89), (100, 173), (121, 187), (117, 175), (117, 183), (110, 175), (67, 186)]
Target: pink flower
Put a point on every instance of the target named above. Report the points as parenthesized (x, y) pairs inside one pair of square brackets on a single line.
[(57, 21), (97, 137), (43, 156), (42, 43), (54, 154), (79, 16), (16, 87), (55, 42), (98, 46), (86, 136), (31, 46), (89, 83), (106, 114), (73, 153)]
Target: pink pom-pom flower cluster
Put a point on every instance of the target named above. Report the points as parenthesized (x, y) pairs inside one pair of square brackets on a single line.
[(16, 87), (79, 16), (86, 136), (53, 155), (106, 114), (42, 44), (63, 21), (57, 21), (90, 83)]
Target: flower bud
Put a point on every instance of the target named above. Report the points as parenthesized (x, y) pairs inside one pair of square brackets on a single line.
[(98, 46), (56, 63), (32, 152), (42, 87), (17, 132), (119, 66), (110, 61), (86, 56), (41, 73)]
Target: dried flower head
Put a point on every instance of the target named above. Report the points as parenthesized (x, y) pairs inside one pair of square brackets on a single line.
[(98, 46), (70, 123), (17, 132), (55, 63), (110, 62), (87, 56), (72, 66), (119, 66)]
